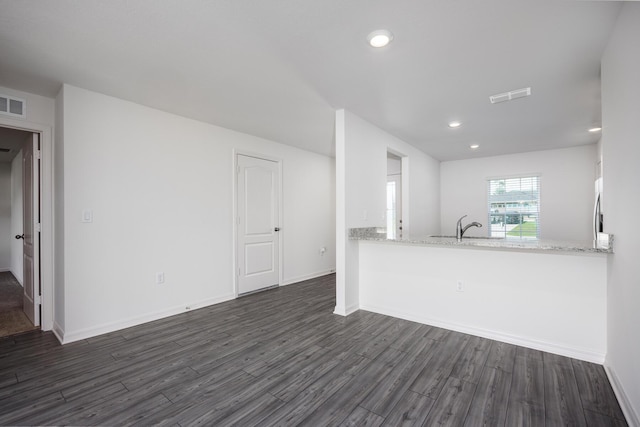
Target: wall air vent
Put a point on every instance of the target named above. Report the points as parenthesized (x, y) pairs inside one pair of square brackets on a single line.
[(12, 106), (508, 96)]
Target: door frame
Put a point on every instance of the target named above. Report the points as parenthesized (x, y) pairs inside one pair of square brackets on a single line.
[(398, 228), (234, 219), (46, 214), (404, 171)]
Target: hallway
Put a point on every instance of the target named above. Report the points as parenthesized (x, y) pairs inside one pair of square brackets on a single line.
[(12, 318)]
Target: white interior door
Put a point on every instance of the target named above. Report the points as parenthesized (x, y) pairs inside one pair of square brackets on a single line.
[(258, 198), (31, 236)]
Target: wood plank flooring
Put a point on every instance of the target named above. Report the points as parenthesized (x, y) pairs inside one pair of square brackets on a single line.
[(281, 358)]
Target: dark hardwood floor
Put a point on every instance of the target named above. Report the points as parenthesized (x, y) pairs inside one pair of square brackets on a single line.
[(282, 358)]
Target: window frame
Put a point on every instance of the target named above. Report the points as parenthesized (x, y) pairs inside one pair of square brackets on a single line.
[(506, 214)]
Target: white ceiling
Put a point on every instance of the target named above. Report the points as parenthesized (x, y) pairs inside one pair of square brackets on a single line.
[(279, 68)]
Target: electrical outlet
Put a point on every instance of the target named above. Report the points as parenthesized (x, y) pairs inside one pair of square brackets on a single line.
[(87, 215), (159, 277), (460, 286), (323, 250)]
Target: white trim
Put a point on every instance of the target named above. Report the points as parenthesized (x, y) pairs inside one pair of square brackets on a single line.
[(513, 176), (234, 221), (632, 417), (346, 311), (404, 185), (352, 309), (68, 337), (306, 277), (16, 277), (576, 353), (341, 213), (4, 270), (339, 311), (488, 203), (46, 212), (58, 331), (234, 208), (405, 164)]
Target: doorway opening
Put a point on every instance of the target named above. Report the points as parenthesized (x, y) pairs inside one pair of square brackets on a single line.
[(394, 196), (19, 282)]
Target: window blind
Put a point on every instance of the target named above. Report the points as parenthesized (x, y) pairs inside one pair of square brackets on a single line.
[(514, 207)]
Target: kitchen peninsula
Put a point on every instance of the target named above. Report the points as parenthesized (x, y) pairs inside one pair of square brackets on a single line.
[(549, 296)]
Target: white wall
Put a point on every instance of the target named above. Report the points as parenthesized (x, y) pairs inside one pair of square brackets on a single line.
[(5, 216), (16, 216), (366, 169), (361, 176), (566, 190), (621, 154), (160, 188), (309, 216)]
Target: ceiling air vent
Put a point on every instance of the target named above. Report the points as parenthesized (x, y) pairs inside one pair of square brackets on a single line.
[(12, 106), (508, 96)]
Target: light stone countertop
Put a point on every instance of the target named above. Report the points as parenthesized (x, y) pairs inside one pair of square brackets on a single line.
[(379, 235)]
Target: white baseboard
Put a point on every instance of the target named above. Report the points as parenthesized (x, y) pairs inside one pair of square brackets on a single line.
[(19, 279), (633, 419), (340, 311), (81, 334), (352, 309), (576, 353), (4, 270), (58, 332), (345, 311), (306, 277)]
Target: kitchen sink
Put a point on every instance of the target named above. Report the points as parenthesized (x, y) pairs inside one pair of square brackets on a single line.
[(470, 237)]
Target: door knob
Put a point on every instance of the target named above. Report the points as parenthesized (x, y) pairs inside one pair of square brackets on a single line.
[(19, 236), (276, 229)]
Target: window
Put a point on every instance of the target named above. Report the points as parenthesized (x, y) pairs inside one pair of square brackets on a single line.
[(514, 207)]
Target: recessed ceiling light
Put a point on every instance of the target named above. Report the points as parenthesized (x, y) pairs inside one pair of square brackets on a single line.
[(474, 146), (596, 129), (380, 38), (454, 124)]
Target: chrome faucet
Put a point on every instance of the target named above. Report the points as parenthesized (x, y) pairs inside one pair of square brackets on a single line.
[(460, 229)]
